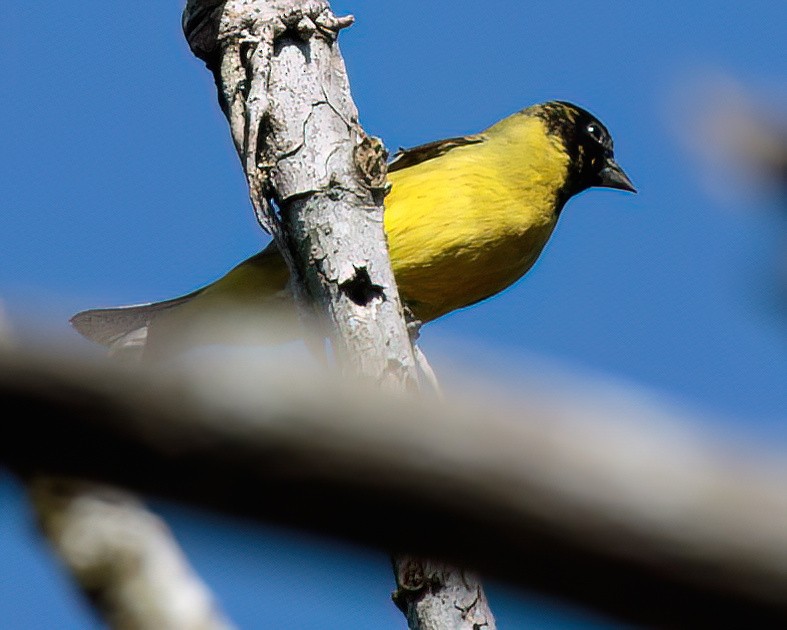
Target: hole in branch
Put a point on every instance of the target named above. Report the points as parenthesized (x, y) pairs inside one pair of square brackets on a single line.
[(360, 288)]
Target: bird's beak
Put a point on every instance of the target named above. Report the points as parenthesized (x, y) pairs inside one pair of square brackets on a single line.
[(612, 176)]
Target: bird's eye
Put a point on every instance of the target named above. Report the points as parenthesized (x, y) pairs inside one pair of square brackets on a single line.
[(594, 131)]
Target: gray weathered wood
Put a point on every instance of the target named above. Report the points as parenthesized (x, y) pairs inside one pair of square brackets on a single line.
[(284, 89), (317, 182), (434, 596)]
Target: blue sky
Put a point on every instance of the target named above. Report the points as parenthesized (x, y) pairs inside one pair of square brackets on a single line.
[(119, 185)]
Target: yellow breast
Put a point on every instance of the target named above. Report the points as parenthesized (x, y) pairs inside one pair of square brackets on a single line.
[(467, 224)]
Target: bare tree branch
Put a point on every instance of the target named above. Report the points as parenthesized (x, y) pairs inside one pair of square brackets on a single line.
[(284, 89), (433, 596), (123, 557), (651, 523)]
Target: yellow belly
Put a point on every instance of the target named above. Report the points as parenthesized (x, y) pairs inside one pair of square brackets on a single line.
[(458, 234)]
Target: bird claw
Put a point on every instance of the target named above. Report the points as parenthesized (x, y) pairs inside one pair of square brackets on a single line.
[(413, 324)]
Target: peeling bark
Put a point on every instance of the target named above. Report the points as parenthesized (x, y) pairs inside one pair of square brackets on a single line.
[(316, 179)]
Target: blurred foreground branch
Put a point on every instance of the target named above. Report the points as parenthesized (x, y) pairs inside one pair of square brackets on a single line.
[(653, 525), (122, 556)]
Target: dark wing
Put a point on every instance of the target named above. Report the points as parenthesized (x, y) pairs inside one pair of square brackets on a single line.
[(405, 158)]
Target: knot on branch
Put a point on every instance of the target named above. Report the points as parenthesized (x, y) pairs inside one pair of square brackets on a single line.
[(417, 580), (370, 157), (412, 582)]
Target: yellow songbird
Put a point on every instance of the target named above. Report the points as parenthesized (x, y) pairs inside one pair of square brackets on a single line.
[(465, 218)]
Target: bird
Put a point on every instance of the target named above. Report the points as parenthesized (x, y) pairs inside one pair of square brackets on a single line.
[(464, 218)]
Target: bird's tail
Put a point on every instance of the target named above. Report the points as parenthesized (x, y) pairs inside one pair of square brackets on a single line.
[(123, 330), (250, 304)]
